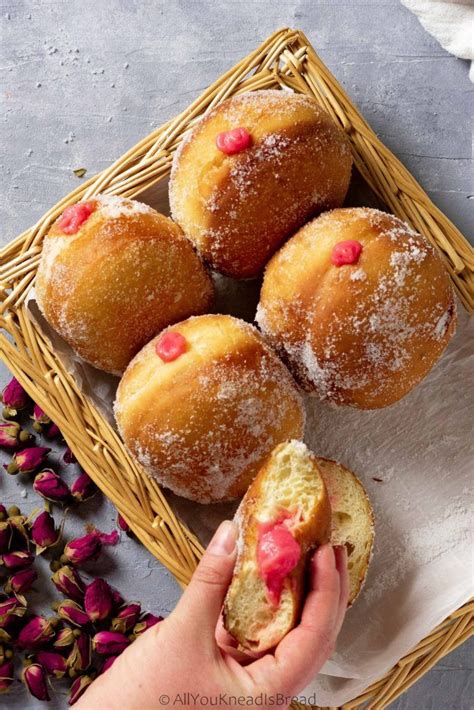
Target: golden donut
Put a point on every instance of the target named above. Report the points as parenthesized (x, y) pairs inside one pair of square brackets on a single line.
[(359, 305), (114, 273), (238, 208), (203, 422)]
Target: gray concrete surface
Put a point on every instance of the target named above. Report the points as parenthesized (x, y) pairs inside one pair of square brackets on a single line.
[(83, 80)]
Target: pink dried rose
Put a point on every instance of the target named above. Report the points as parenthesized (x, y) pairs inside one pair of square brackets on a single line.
[(110, 643), (34, 677), (78, 688), (43, 532), (65, 637), (50, 485), (21, 581), (146, 622), (109, 661), (14, 398), (12, 435), (52, 431), (83, 487), (40, 418), (27, 460), (53, 663), (17, 560), (88, 547), (3, 512), (69, 457), (83, 549), (80, 656), (98, 600), (37, 632), (70, 611), (126, 618), (10, 609), (68, 581), (122, 523), (6, 675)]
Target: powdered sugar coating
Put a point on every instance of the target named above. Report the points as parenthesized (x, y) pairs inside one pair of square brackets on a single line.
[(360, 333), (234, 401), (237, 209), (127, 273)]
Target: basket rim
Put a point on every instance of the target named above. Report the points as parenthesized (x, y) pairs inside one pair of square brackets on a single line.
[(297, 58)]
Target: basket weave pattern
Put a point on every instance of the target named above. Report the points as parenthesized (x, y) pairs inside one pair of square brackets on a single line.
[(286, 59)]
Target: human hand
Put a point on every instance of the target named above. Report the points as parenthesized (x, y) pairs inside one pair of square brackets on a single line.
[(183, 658)]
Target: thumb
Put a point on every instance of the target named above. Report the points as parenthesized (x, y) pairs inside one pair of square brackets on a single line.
[(201, 603)]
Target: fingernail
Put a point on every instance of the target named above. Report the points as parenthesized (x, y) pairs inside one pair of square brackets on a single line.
[(223, 542)]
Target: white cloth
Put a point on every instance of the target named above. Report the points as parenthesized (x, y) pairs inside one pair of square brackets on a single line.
[(451, 22)]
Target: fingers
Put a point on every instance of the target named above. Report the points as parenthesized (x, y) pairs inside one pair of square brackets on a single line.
[(228, 644), (201, 603), (301, 654)]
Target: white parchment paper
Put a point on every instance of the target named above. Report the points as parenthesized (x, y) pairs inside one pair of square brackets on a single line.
[(421, 449)]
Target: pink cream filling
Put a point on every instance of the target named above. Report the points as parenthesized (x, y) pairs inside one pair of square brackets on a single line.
[(278, 553), (346, 252), (74, 217)]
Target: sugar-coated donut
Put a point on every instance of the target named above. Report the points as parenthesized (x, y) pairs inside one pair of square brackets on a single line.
[(203, 404), (359, 305), (114, 273), (252, 172)]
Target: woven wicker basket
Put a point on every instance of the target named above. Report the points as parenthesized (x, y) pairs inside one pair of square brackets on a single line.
[(284, 59)]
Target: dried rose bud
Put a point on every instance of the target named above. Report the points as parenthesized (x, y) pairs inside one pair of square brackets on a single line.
[(126, 618), (10, 609), (64, 638), (53, 663), (68, 581), (43, 532), (34, 677), (21, 581), (40, 418), (69, 457), (5, 536), (17, 560), (108, 662), (70, 610), (82, 549), (78, 687), (147, 621), (80, 656), (27, 460), (14, 398), (3, 512), (98, 600), (83, 488), (6, 675), (110, 643), (122, 523), (12, 435), (35, 633), (52, 431), (51, 486)]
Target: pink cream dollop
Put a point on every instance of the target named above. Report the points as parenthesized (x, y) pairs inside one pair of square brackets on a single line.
[(346, 252), (278, 553), (74, 217), (234, 141)]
